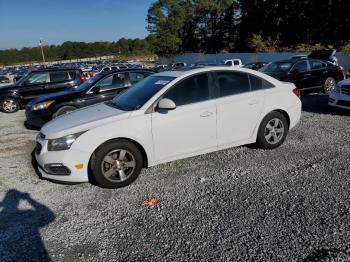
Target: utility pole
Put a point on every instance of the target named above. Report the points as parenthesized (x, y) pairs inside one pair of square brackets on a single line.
[(42, 50)]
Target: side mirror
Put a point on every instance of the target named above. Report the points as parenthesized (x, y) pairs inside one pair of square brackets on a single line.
[(95, 90), (166, 104)]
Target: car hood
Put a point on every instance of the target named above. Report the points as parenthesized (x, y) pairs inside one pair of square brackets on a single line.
[(7, 87), (344, 82), (53, 96), (83, 119)]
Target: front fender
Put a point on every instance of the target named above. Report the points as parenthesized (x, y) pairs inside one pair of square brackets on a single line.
[(137, 128)]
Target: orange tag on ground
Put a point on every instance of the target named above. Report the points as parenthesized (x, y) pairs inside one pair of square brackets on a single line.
[(149, 202)]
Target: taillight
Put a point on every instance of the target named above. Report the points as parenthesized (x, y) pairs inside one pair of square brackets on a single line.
[(343, 72), (82, 77), (91, 73), (297, 92)]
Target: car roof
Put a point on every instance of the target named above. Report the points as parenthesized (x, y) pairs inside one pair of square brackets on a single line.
[(187, 71), (127, 70)]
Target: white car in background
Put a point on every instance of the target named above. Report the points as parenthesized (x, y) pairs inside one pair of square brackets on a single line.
[(233, 62), (168, 116), (340, 95)]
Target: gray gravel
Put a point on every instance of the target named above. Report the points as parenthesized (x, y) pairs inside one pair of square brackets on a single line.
[(289, 204)]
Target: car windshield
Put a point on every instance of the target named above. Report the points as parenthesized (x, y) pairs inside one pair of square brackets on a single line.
[(22, 79), (136, 96), (88, 83), (277, 66)]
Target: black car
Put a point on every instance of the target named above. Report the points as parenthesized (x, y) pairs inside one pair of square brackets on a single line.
[(306, 73), (102, 87), (37, 83), (255, 65)]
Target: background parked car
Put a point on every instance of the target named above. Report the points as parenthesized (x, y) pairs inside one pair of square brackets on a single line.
[(340, 95), (102, 87), (37, 83), (306, 74), (4, 80), (255, 65)]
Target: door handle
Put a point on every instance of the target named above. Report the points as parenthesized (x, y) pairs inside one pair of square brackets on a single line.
[(253, 102), (206, 114)]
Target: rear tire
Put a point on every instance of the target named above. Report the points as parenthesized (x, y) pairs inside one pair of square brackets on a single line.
[(63, 110), (9, 105), (272, 131), (329, 85), (116, 164)]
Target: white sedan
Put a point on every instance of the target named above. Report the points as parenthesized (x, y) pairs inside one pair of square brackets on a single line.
[(340, 95), (168, 116)]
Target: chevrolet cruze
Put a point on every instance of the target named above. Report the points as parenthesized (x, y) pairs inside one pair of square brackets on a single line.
[(167, 116)]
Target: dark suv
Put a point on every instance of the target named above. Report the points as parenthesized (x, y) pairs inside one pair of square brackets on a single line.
[(306, 73), (37, 83), (102, 87)]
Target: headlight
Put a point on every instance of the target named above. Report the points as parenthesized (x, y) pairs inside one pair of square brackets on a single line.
[(62, 143), (337, 89), (43, 105)]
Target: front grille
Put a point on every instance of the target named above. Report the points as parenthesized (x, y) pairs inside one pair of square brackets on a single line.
[(57, 169), (38, 148), (345, 89), (343, 103)]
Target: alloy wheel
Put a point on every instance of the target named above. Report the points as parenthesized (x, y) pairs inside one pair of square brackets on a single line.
[(118, 165), (329, 84), (274, 131), (9, 105)]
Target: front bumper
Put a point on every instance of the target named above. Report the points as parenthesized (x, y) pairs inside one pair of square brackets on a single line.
[(67, 158), (339, 100), (36, 119)]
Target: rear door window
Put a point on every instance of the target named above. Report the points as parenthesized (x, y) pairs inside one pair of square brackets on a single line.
[(60, 76), (317, 65), (257, 83), (112, 81), (231, 83), (300, 67)]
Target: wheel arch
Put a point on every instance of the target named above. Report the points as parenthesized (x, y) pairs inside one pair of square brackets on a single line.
[(284, 113), (137, 144)]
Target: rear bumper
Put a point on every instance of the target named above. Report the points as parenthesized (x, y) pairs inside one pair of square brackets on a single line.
[(294, 115)]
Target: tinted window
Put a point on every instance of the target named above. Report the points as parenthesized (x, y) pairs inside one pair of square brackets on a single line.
[(136, 96), (72, 74), (228, 63), (135, 77), (316, 65), (257, 83), (236, 62), (300, 66), (37, 78), (59, 76), (112, 81), (230, 83), (277, 67), (191, 90)]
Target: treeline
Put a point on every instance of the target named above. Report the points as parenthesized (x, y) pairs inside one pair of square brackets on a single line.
[(213, 26), (73, 50)]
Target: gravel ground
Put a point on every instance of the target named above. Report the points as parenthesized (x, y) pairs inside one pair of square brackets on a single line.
[(289, 204)]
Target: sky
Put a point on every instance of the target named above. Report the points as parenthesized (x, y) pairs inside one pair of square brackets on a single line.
[(24, 22)]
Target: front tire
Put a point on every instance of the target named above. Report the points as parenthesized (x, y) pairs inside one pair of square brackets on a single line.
[(116, 164), (272, 131), (9, 105)]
